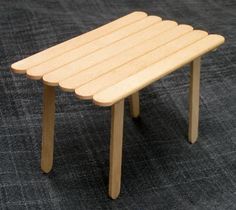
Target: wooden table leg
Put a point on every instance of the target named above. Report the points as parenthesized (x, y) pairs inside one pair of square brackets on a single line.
[(117, 118), (134, 105), (48, 128), (194, 100)]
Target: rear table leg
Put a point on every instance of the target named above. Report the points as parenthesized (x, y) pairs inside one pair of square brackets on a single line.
[(117, 118), (134, 105), (194, 100), (48, 128)]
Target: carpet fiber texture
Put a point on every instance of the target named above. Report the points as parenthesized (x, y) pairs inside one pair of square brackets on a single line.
[(161, 170)]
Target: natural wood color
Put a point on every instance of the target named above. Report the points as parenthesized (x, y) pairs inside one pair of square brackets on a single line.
[(134, 105), (102, 55), (162, 35), (117, 115), (194, 100), (22, 65), (89, 89), (111, 63), (156, 71), (48, 128), (38, 71)]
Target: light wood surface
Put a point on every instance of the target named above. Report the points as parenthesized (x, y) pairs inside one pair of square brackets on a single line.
[(38, 71), (89, 89), (117, 118), (108, 58), (141, 79), (194, 92), (161, 37), (134, 105), (54, 77), (48, 128), (38, 58)]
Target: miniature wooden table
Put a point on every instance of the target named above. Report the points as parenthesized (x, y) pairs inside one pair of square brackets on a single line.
[(113, 62)]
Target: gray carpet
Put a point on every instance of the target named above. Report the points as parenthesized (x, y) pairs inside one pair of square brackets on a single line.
[(161, 169)]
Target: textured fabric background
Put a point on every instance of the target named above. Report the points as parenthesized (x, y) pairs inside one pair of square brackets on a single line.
[(161, 170)]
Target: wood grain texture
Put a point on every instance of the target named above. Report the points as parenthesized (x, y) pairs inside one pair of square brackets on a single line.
[(38, 58), (161, 34), (102, 55), (117, 119), (109, 56), (89, 89), (194, 93), (68, 64), (38, 71), (156, 71)]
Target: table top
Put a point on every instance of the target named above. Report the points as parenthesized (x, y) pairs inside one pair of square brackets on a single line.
[(115, 60)]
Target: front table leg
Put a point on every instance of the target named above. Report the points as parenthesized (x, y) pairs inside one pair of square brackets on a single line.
[(48, 128), (117, 118), (194, 100)]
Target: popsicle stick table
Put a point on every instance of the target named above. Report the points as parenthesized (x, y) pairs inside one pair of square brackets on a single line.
[(113, 62)]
